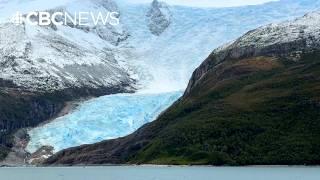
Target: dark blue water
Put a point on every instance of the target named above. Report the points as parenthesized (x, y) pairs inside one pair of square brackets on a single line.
[(161, 173)]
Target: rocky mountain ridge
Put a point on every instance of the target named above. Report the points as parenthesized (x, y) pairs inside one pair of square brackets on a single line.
[(289, 39)]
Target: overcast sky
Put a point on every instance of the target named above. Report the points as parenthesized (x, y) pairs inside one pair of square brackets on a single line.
[(208, 3)]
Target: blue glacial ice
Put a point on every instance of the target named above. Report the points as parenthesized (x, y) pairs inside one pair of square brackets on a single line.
[(107, 117)]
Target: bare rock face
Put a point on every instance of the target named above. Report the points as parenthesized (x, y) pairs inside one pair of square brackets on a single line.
[(158, 17), (41, 155), (18, 153)]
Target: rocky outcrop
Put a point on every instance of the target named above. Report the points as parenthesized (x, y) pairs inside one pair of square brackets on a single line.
[(158, 17), (17, 155), (40, 155)]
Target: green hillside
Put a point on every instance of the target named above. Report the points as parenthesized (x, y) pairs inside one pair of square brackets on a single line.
[(261, 110)]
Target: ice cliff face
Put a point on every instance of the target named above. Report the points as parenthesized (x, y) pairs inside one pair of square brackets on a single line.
[(107, 117), (52, 57), (158, 17)]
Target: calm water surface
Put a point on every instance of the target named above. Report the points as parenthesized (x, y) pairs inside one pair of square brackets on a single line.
[(161, 173)]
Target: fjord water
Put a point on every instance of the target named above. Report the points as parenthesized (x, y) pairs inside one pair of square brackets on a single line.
[(162, 173), (164, 65)]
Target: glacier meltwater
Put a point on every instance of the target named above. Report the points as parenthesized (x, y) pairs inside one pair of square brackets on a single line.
[(99, 119)]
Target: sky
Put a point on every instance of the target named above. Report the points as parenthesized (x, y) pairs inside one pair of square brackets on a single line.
[(208, 3)]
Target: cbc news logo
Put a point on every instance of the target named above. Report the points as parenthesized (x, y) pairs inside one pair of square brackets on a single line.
[(64, 18)]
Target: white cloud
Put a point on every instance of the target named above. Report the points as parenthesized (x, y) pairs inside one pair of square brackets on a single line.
[(208, 3)]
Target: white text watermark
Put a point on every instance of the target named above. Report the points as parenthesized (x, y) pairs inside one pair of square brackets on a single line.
[(42, 18)]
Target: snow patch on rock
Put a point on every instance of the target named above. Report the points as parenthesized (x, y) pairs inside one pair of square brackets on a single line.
[(158, 17), (301, 34)]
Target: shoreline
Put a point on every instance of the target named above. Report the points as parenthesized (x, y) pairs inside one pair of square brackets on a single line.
[(164, 166)]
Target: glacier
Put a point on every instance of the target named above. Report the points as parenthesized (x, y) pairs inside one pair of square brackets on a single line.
[(107, 117), (163, 65)]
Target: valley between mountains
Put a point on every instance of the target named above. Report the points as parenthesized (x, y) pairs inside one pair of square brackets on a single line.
[(255, 99)]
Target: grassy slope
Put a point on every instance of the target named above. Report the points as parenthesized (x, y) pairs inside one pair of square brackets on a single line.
[(257, 111)]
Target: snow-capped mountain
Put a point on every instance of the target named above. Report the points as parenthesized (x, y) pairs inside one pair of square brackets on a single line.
[(58, 57), (290, 39), (300, 34)]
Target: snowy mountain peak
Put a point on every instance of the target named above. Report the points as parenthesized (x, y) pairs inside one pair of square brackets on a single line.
[(311, 15), (50, 58), (302, 33), (159, 17)]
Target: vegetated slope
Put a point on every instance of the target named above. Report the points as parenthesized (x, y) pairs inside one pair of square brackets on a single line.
[(254, 101)]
